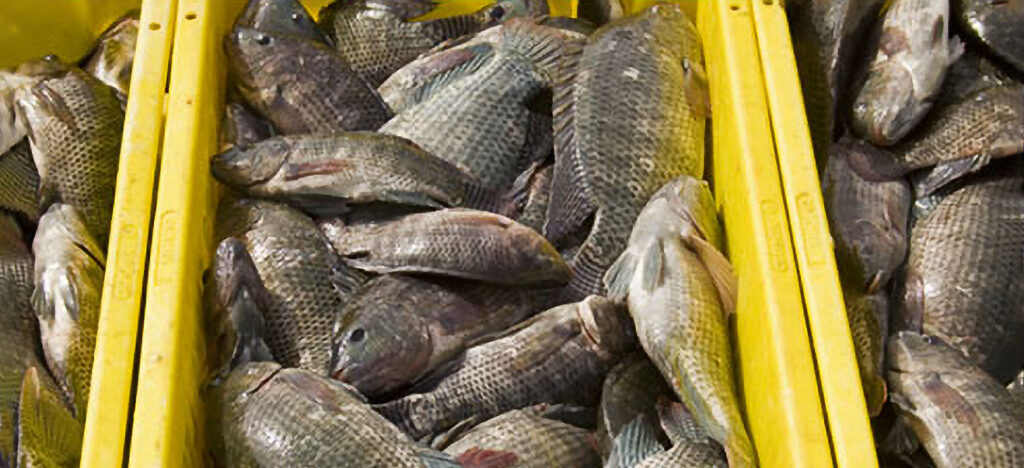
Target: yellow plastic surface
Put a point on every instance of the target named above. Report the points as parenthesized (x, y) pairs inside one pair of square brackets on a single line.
[(845, 409), (780, 388), (69, 28)]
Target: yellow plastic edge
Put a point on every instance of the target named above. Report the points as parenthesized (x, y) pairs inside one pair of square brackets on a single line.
[(113, 362), (838, 374), (779, 386), (68, 28)]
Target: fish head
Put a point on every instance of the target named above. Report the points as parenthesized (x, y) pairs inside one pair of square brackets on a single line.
[(381, 351), (685, 204), (886, 110), (242, 166), (605, 324), (545, 264), (281, 18), (910, 352), (112, 61), (255, 58)]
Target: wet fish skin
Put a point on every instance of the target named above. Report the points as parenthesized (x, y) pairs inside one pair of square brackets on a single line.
[(241, 127), (628, 69), (637, 441), (325, 422), (68, 272), (521, 439), (961, 415), (691, 445), (75, 124), (995, 24), (906, 73), (112, 61), (600, 12), (12, 124), (235, 301), (19, 182), (868, 219), (534, 197), (327, 174), (400, 328), (962, 276), (827, 38), (868, 315), (455, 242), (481, 122), (680, 291), (558, 356), (301, 86), (631, 388), (301, 274), (48, 434), (280, 18)]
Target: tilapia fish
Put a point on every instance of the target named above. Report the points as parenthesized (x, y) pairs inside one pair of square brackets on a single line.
[(979, 116), (235, 301), (454, 242), (533, 194), (19, 332), (325, 174), (48, 434), (302, 275), (827, 39), (521, 439), (400, 328), (112, 61), (680, 290), (691, 446), (264, 415), (996, 24), (868, 316), (280, 18), (630, 120), (961, 415), (380, 36), (19, 182), (242, 127), (907, 70), (962, 280), (12, 124), (300, 85), (559, 356), (69, 266), (637, 441), (630, 389), (868, 219), (74, 127), (481, 122)]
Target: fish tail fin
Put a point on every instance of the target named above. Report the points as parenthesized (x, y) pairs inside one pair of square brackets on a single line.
[(568, 208), (637, 441), (678, 424), (46, 427), (479, 197), (545, 46), (718, 267), (947, 172)]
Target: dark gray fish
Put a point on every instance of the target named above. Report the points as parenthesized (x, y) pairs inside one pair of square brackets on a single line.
[(631, 389), (522, 439), (19, 182), (628, 119), (280, 18), (242, 127), (558, 356), (996, 24), (300, 85)]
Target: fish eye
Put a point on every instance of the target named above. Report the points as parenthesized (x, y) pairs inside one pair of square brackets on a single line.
[(263, 39), (497, 13), (928, 339), (296, 18), (357, 335)]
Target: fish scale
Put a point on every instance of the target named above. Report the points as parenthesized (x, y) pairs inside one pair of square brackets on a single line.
[(297, 267), (263, 415), (630, 121), (963, 276), (960, 414), (74, 124), (549, 359), (631, 388), (19, 181), (530, 440)]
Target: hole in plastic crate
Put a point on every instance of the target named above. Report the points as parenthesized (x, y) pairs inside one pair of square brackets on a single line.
[(767, 2), (190, 16), (734, 7), (154, 26)]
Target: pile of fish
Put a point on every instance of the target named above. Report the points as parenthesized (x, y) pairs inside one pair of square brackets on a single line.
[(479, 241), (60, 138), (920, 130)]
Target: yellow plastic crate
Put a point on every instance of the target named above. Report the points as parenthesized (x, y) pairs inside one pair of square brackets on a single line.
[(779, 380), (30, 29)]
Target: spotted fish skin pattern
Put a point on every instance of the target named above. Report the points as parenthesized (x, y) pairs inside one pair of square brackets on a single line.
[(19, 182), (300, 273), (630, 118), (559, 356), (481, 122), (264, 415), (300, 85), (962, 281), (528, 441), (74, 127), (960, 414)]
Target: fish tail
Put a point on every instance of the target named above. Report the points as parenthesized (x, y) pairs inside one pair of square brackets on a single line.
[(544, 46)]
